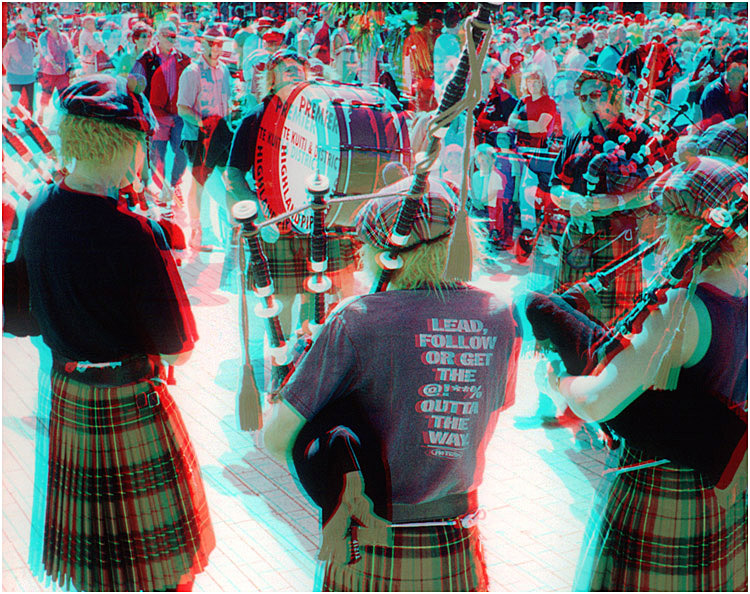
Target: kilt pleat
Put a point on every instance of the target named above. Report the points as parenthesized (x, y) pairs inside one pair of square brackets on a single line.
[(125, 508), (289, 261), (661, 529), (605, 244), (434, 559)]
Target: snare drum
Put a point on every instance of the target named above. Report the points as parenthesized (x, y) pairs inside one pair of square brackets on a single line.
[(348, 133)]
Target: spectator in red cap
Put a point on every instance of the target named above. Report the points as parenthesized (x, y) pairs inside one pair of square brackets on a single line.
[(254, 65), (203, 103)]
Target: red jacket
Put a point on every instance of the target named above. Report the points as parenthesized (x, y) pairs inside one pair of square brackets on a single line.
[(165, 84)]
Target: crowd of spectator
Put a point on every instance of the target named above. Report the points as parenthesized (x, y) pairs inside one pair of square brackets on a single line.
[(527, 109)]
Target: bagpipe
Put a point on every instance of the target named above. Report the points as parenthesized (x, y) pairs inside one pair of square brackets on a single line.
[(338, 439), (706, 434), (658, 67), (29, 161), (625, 165)]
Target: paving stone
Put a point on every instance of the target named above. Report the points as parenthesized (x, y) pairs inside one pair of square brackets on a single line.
[(537, 487)]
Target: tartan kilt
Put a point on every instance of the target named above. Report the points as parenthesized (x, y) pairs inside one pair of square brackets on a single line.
[(125, 510), (427, 559), (661, 529), (626, 288), (289, 261)]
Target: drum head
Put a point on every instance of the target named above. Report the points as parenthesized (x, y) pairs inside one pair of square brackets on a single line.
[(347, 133)]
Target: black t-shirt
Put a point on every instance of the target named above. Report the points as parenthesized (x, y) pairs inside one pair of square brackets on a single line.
[(242, 154), (103, 285)]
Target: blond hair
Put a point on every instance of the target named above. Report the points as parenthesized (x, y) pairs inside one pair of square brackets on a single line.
[(422, 267), (680, 230), (92, 139)]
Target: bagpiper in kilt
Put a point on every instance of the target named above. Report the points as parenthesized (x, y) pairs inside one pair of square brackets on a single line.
[(662, 529), (126, 509)]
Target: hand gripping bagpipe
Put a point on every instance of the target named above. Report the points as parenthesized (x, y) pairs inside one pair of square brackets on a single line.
[(654, 418), (625, 169)]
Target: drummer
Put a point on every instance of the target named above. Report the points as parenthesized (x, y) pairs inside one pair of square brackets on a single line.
[(287, 253)]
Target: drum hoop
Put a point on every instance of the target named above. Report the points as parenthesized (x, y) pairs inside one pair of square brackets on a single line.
[(349, 142)]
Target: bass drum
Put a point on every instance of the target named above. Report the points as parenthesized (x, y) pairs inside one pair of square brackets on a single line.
[(346, 132)]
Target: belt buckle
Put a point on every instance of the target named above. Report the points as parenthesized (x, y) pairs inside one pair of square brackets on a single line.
[(147, 399), (470, 520)]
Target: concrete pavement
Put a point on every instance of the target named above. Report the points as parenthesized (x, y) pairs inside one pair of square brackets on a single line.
[(536, 491)]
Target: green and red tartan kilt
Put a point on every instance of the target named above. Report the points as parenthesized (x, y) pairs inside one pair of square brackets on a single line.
[(611, 238), (661, 529), (427, 559), (126, 509), (289, 261)]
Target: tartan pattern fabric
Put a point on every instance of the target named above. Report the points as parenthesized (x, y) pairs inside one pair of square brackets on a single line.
[(613, 237), (125, 506), (725, 140), (661, 529), (429, 559), (289, 261), (435, 215), (706, 182)]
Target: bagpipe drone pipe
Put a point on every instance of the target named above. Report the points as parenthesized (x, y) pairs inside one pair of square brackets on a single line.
[(339, 439), (704, 433)]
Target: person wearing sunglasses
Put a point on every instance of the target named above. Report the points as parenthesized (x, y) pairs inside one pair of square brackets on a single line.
[(603, 223), (162, 65), (203, 97)]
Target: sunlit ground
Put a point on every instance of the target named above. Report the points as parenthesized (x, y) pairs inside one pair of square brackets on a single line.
[(537, 486)]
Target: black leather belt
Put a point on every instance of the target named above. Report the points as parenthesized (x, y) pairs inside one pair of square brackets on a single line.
[(112, 373), (450, 506)]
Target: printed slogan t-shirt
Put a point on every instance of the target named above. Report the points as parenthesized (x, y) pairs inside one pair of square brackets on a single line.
[(428, 372)]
